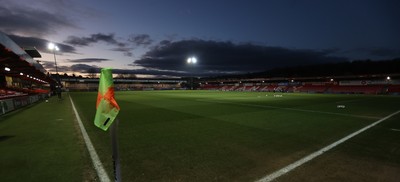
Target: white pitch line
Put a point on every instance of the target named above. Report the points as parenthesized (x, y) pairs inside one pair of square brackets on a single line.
[(101, 173), (293, 109), (352, 100), (300, 162)]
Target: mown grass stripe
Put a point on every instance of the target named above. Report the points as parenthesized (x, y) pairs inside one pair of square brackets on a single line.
[(101, 172), (300, 162), (291, 109)]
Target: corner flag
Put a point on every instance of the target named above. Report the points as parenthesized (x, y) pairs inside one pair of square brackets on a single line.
[(107, 107)]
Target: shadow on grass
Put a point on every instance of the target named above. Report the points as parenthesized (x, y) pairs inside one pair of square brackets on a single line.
[(5, 137)]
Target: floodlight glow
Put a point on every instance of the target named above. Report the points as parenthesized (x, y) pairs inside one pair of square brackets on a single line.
[(52, 46), (191, 60), (331, 79), (21, 74), (388, 78), (7, 69)]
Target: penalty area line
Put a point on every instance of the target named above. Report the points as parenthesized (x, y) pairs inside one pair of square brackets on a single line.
[(300, 162), (101, 172)]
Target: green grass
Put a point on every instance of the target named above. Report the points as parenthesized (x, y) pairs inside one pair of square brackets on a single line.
[(206, 136), (240, 136), (371, 156), (41, 143)]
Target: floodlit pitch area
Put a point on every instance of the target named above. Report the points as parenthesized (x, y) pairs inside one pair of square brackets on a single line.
[(241, 136), (212, 136)]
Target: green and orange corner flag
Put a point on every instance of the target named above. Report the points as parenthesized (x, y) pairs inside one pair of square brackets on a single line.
[(107, 107)]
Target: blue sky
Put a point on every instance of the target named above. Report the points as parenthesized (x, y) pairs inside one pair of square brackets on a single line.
[(154, 38)]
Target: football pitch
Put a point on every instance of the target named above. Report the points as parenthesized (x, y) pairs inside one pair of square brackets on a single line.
[(208, 136)]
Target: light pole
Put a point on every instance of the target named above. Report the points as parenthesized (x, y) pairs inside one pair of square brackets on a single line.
[(191, 61), (54, 48)]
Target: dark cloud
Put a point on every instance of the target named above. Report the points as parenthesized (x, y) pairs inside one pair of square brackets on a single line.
[(81, 68), (226, 57), (89, 60), (140, 39), (128, 54), (50, 67), (372, 53), (40, 44), (100, 37), (25, 20), (126, 50), (157, 73), (84, 68), (94, 38), (164, 42), (166, 73), (384, 52)]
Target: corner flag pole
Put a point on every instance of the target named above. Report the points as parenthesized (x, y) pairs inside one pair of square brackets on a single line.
[(107, 110), (115, 156)]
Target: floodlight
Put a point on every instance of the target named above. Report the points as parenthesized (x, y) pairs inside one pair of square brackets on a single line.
[(388, 78), (52, 46), (191, 60), (7, 69)]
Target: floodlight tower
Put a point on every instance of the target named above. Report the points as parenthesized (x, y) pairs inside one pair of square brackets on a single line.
[(54, 48), (191, 61)]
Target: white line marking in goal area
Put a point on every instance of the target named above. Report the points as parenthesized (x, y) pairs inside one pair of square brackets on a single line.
[(101, 173), (393, 129), (300, 162)]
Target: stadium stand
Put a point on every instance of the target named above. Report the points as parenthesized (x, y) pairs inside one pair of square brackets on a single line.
[(393, 89), (357, 89), (311, 88), (22, 79), (347, 86)]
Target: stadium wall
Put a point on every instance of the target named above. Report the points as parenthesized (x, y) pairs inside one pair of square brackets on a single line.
[(8, 105)]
